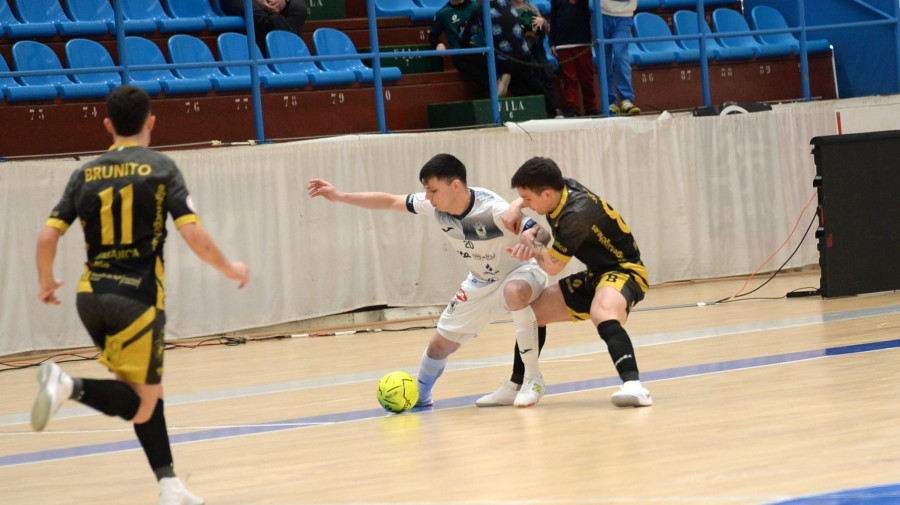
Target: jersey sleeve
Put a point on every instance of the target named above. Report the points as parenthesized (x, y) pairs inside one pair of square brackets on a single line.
[(569, 237), (416, 203), (179, 200), (65, 212)]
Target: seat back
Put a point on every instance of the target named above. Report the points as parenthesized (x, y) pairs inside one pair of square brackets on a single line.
[(331, 41), (141, 51), (90, 10), (6, 82), (651, 25), (647, 5), (686, 24), (233, 47), (30, 55), (284, 44), (84, 53), (189, 8), (190, 49), (767, 18), (40, 11), (729, 20), (432, 3), (217, 8), (143, 9)]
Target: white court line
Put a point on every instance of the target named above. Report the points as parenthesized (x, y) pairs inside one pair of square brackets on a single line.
[(504, 360)]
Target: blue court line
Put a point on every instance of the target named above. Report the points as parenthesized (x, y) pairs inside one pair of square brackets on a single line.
[(878, 495), (568, 387)]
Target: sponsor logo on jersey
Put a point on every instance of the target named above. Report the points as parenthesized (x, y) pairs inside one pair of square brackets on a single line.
[(480, 230)]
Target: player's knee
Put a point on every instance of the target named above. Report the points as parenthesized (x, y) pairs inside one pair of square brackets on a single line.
[(516, 295), (440, 347)]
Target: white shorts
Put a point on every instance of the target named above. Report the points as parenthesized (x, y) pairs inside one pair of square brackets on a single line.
[(478, 303)]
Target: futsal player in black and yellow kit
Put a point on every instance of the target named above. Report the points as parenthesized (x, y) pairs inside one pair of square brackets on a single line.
[(583, 226), (122, 200)]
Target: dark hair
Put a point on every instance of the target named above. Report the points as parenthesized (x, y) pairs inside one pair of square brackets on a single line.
[(538, 174), (128, 107), (444, 167)]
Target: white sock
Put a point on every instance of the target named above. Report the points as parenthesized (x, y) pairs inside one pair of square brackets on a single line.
[(429, 371), (526, 327)]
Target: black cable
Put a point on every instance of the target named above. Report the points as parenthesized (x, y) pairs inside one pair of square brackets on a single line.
[(731, 299)]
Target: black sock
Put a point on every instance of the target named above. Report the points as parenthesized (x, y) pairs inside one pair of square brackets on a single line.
[(111, 397), (518, 373), (620, 349), (154, 439)]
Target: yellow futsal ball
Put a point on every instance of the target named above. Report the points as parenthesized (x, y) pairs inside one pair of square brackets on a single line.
[(397, 392)]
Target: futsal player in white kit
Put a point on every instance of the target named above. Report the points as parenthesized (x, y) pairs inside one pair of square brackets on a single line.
[(497, 283)]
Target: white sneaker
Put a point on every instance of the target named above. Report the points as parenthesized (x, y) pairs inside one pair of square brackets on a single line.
[(632, 394), (55, 388), (531, 392), (173, 492), (506, 395)]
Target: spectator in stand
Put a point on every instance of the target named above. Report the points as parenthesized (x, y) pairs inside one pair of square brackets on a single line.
[(270, 15), (511, 52), (536, 29), (570, 42), (449, 21), (618, 19)]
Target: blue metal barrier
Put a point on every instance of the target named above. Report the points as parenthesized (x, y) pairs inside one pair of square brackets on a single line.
[(375, 55)]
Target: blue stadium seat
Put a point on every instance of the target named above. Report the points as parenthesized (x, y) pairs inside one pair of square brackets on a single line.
[(650, 25), (15, 92), (141, 51), (550, 58), (201, 9), (767, 18), (189, 49), (233, 47), (329, 41), (686, 24), (15, 29), (151, 10), (84, 53), (692, 4), (101, 10), (730, 21), (50, 11), (282, 44), (647, 5), (404, 8), (30, 55)]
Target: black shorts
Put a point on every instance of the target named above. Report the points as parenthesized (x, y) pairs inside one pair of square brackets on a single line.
[(578, 290), (130, 335)]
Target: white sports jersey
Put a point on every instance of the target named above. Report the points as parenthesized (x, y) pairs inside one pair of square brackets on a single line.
[(478, 235)]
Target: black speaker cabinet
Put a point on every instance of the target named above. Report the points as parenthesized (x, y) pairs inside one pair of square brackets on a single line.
[(858, 177)]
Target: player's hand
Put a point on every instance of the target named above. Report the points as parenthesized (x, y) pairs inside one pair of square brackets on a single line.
[(238, 272), (512, 218), (319, 187), (48, 292), (522, 252)]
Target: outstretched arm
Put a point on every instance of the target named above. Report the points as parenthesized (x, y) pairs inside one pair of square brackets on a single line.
[(46, 253), (366, 200), (204, 247)]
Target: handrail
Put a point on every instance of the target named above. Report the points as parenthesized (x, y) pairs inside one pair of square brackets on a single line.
[(125, 69)]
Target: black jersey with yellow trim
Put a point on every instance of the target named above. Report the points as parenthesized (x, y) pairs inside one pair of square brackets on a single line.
[(584, 226), (122, 200)]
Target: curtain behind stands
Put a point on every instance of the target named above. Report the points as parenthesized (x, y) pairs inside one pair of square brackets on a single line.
[(705, 197)]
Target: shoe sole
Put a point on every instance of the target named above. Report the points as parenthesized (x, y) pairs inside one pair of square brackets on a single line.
[(492, 404), (40, 412), (629, 401)]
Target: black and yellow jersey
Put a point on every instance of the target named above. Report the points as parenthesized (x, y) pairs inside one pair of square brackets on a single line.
[(585, 227), (122, 199)]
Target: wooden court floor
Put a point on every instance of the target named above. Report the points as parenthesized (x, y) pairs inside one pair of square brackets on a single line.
[(756, 402)]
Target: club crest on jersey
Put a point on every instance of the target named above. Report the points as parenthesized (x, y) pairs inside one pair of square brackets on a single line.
[(480, 230)]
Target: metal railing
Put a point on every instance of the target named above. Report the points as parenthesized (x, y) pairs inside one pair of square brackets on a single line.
[(124, 69)]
